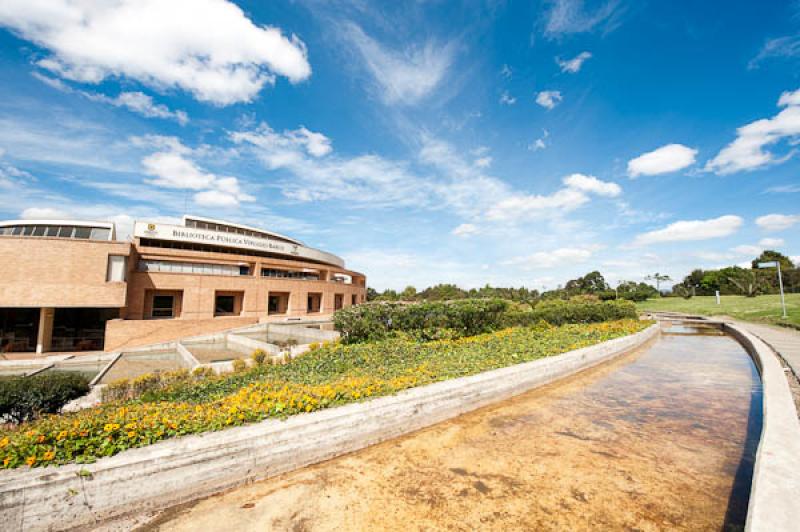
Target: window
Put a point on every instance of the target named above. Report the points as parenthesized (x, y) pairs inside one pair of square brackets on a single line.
[(244, 270), (163, 306), (225, 305), (278, 303), (354, 299), (39, 230), (338, 301), (288, 274), (117, 267), (82, 232), (52, 230), (65, 231), (314, 302), (28, 230)]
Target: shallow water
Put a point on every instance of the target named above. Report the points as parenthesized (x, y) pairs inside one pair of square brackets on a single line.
[(661, 439)]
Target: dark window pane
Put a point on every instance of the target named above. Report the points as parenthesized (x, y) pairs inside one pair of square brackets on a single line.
[(162, 306), (52, 230), (39, 230), (65, 231), (224, 305), (28, 230), (82, 232)]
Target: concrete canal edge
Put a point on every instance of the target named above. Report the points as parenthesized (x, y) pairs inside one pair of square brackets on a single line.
[(184, 469), (775, 492)]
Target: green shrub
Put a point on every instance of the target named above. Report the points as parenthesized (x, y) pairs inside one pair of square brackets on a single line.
[(559, 312), (239, 365), (24, 399), (258, 357), (438, 320), (424, 321)]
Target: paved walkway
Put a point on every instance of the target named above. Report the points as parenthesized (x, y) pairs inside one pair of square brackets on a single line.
[(783, 340)]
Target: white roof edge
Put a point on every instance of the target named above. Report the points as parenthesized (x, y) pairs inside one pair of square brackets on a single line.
[(240, 226), (79, 223)]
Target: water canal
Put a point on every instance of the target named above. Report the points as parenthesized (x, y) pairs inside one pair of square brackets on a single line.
[(663, 438)]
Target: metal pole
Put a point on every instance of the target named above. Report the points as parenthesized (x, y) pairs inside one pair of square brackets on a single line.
[(780, 284)]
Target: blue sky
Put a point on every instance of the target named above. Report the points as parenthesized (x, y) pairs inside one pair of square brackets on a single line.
[(514, 143)]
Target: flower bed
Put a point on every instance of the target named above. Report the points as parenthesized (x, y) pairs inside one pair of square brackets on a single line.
[(329, 376)]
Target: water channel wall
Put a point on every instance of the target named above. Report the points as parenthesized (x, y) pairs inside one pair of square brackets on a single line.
[(775, 492), (184, 469)]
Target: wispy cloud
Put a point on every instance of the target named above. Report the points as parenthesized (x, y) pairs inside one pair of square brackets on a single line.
[(573, 65), (777, 222), (689, 230), (566, 17), (787, 47), (748, 151), (135, 101), (507, 99), (405, 76)]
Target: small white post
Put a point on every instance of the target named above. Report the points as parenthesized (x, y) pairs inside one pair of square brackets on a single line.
[(780, 284), (717, 294)]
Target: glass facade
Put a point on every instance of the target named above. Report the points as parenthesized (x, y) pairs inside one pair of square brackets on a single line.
[(289, 274), (192, 267)]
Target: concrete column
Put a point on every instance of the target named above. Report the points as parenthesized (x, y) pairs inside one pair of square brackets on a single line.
[(44, 337)]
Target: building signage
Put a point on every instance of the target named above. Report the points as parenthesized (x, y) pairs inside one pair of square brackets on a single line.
[(178, 233)]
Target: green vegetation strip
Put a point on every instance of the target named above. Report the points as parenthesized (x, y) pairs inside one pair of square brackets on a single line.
[(329, 376), (766, 309)]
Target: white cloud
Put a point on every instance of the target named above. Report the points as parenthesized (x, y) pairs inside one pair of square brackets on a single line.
[(507, 99), (465, 230), (207, 47), (777, 222), (570, 16), (771, 242), (551, 259), (573, 65), (483, 162), (138, 102), (531, 206), (669, 158), (686, 230), (407, 76), (548, 99), (748, 150), (172, 168), (588, 183), (506, 72), (748, 250), (540, 143), (781, 47)]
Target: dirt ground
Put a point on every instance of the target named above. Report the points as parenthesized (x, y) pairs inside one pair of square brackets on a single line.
[(653, 441)]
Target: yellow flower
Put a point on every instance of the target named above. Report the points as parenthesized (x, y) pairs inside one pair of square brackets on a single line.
[(3, 442), (6, 461), (61, 435), (40, 439), (131, 434), (49, 455), (31, 460)]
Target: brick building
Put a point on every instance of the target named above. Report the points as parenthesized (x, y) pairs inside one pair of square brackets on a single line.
[(69, 285)]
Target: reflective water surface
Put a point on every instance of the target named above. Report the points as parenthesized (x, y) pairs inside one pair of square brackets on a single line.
[(661, 439)]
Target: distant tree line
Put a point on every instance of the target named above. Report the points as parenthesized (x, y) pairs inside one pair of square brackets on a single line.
[(592, 284), (735, 280)]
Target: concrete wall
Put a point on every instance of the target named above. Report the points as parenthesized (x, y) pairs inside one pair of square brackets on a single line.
[(775, 493), (124, 334), (59, 272), (188, 468)]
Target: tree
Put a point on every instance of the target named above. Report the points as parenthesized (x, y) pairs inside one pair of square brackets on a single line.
[(749, 282), (769, 255), (372, 294), (658, 278), (408, 293)]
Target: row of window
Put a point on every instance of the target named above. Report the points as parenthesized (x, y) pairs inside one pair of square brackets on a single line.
[(288, 274), (192, 267), (60, 231), (221, 228), (146, 265), (164, 305)]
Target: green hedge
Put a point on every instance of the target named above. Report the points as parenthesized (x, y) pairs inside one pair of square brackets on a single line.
[(423, 321), (559, 312), (468, 317), (26, 398)]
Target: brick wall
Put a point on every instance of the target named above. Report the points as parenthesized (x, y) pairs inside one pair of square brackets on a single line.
[(124, 334)]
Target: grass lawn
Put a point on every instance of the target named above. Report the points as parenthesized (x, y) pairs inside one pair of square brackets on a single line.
[(761, 308)]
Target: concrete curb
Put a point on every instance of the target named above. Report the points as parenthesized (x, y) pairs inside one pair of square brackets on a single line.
[(184, 469), (775, 492)]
